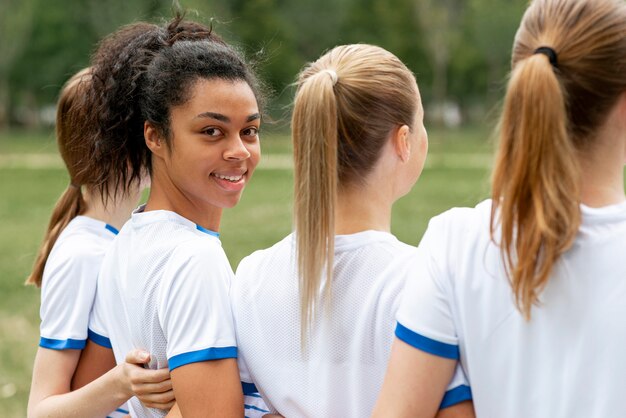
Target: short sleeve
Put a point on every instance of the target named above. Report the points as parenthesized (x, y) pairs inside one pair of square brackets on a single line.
[(67, 295), (98, 332), (425, 318), (195, 311), (458, 390)]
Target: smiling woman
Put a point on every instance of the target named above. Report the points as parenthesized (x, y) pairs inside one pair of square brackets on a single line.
[(164, 284)]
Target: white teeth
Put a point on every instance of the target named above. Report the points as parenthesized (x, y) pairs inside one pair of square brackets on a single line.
[(229, 178)]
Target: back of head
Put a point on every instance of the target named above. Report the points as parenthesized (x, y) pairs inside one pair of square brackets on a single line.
[(76, 150), (346, 105), (568, 61)]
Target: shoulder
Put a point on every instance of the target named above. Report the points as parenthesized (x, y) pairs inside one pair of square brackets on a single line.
[(460, 222), (280, 252)]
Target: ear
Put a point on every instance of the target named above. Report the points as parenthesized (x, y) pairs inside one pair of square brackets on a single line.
[(401, 143), (153, 139)]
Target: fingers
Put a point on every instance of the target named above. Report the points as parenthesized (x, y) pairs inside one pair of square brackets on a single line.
[(148, 388), (163, 400), (137, 356), (139, 375)]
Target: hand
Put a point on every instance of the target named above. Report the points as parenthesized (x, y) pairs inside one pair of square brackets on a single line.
[(152, 387), (272, 416)]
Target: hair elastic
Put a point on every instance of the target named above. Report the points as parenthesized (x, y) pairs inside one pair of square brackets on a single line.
[(550, 53), (74, 185), (332, 74)]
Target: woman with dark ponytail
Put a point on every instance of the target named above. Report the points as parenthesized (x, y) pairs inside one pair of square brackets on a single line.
[(314, 313), (527, 289), (185, 107), (83, 225)]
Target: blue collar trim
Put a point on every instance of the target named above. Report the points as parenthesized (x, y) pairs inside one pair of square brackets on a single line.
[(112, 229), (207, 231)]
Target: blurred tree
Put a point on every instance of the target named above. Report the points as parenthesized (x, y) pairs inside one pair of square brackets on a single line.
[(493, 27), (16, 17), (441, 22)]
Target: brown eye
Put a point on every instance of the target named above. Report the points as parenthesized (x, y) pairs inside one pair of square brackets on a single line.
[(212, 131)]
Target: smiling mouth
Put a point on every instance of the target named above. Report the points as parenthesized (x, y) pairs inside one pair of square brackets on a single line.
[(232, 179)]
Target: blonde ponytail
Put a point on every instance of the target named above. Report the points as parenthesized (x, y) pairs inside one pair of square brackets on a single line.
[(314, 124), (346, 104)]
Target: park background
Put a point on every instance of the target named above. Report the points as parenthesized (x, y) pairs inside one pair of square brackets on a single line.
[(459, 51)]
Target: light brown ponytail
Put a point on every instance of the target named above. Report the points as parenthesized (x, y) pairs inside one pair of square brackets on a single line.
[(552, 109), (346, 104), (76, 152), (70, 205)]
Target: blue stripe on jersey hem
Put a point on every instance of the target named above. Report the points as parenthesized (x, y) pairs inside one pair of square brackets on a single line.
[(254, 408), (214, 353), (99, 339), (456, 395), (254, 395), (207, 231), (112, 229), (68, 344), (426, 344), (248, 388)]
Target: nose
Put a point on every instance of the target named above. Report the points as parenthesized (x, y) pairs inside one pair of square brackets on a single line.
[(236, 150)]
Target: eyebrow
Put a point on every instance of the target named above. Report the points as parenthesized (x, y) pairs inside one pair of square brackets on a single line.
[(226, 119)]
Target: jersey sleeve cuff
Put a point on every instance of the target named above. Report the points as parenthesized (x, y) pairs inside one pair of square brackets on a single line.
[(208, 354), (248, 388), (68, 344), (457, 395), (426, 344), (99, 339)]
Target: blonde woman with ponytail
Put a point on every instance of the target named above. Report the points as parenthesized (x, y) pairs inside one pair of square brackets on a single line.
[(314, 313), (526, 290), (82, 227)]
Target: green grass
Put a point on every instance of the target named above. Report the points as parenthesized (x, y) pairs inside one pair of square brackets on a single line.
[(262, 218)]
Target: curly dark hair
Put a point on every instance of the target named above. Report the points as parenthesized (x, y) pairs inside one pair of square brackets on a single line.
[(139, 73)]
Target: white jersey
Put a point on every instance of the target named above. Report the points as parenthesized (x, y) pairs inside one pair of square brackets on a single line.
[(567, 361), (69, 282), (68, 285), (343, 368), (164, 287)]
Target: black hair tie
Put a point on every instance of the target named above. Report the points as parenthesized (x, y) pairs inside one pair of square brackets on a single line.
[(550, 53)]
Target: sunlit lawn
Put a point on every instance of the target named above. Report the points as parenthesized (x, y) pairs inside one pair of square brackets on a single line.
[(456, 174)]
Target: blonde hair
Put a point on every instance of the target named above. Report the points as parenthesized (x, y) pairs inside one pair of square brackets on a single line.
[(76, 153), (552, 111), (347, 102)]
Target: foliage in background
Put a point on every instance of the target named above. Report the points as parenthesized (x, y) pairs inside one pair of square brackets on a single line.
[(459, 49)]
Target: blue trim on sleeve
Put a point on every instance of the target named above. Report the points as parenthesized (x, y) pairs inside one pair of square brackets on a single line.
[(254, 408), (99, 339), (207, 231), (248, 388), (68, 344), (426, 344), (213, 353), (112, 229), (456, 395)]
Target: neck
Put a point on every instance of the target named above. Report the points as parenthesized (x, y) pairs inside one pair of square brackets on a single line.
[(115, 212), (602, 171), (164, 195), (363, 208)]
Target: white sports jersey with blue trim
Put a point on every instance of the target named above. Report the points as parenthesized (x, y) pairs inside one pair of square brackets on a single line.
[(164, 287), (69, 282), (342, 370), (68, 285), (567, 361)]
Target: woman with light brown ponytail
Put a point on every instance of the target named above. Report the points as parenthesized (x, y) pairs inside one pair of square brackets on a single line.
[(82, 227), (314, 313), (527, 290)]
